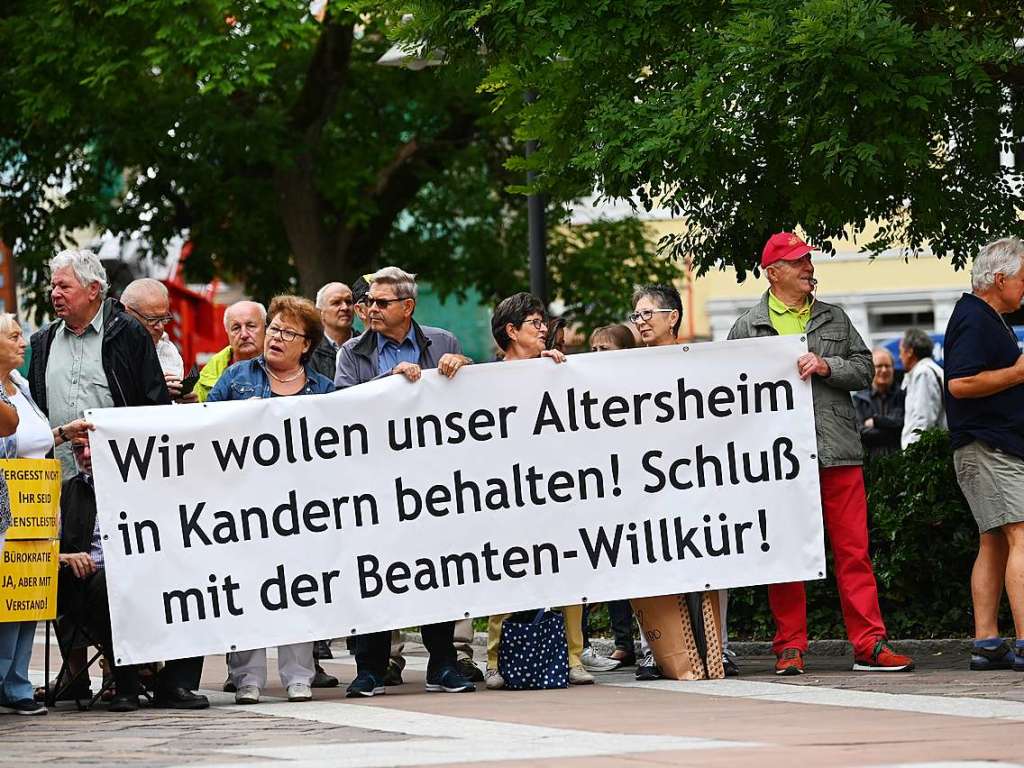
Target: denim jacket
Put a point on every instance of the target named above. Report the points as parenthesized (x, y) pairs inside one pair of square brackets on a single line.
[(249, 379)]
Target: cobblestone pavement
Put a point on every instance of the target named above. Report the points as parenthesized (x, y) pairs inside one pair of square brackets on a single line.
[(940, 715)]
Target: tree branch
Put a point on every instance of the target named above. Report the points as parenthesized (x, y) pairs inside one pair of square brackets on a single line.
[(326, 77), (398, 182)]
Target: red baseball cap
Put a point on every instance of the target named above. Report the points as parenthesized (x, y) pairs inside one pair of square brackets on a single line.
[(783, 246)]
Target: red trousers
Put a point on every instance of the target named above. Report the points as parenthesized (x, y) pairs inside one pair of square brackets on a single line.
[(845, 509)]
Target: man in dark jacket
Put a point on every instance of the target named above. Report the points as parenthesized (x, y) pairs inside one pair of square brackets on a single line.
[(93, 355), (335, 303), (396, 344), (880, 409), (82, 584), (96, 355)]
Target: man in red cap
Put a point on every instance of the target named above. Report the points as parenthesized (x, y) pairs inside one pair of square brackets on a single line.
[(838, 363)]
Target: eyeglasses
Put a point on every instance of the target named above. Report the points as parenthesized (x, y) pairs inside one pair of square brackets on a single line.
[(536, 322), (383, 303), (645, 315), (152, 320), (284, 334)]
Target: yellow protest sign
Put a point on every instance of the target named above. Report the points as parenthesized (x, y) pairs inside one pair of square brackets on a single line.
[(28, 580), (34, 486)]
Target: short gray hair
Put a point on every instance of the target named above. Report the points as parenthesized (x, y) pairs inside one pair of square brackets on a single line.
[(918, 342), (403, 282), (260, 307), (85, 264), (323, 291), (137, 289), (1000, 257)]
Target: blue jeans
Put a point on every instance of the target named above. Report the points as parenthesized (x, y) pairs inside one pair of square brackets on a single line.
[(16, 639)]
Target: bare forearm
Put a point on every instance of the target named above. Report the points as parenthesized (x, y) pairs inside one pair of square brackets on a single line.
[(986, 383)]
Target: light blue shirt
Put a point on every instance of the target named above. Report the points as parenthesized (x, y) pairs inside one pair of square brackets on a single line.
[(390, 353)]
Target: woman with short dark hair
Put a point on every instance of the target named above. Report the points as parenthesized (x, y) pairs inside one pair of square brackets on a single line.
[(293, 332)]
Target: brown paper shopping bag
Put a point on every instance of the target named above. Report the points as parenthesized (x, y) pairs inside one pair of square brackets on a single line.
[(665, 622)]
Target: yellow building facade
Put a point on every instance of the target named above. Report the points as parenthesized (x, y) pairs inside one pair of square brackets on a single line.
[(883, 295)]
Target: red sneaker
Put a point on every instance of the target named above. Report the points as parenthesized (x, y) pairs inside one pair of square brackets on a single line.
[(883, 659), (790, 662)]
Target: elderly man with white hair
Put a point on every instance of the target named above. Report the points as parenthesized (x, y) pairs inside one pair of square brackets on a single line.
[(246, 325), (985, 413), (94, 355)]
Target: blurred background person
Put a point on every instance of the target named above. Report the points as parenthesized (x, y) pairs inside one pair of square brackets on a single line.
[(336, 305), (148, 302), (922, 386), (556, 334), (620, 612), (246, 324), (880, 408)]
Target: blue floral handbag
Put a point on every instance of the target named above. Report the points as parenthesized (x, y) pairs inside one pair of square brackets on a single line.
[(533, 654)]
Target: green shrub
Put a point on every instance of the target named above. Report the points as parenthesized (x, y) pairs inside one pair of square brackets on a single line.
[(923, 542)]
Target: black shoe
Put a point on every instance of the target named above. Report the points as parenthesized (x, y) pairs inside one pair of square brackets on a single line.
[(393, 674), (229, 686), (322, 680), (123, 702), (469, 670), (24, 707), (322, 650), (448, 680), (179, 698), (731, 668), (365, 684)]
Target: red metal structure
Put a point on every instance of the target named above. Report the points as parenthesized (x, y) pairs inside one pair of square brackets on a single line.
[(198, 326)]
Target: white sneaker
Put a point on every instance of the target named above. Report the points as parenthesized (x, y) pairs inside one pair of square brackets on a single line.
[(493, 680), (579, 676), (593, 662), (247, 694), (299, 692)]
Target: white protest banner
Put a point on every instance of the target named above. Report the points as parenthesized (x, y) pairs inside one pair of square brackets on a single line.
[(512, 486)]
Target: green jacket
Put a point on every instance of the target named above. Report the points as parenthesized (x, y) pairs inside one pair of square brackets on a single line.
[(211, 372), (831, 335)]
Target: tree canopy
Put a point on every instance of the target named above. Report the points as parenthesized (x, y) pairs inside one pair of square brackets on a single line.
[(752, 116), (276, 144)]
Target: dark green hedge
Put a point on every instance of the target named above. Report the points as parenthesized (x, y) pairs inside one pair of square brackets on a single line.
[(923, 542)]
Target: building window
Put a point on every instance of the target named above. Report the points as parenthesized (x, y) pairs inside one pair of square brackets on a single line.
[(895, 320)]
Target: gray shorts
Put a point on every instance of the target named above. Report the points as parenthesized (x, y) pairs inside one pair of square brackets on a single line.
[(992, 482)]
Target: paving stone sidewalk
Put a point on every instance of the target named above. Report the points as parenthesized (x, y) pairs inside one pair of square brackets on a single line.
[(759, 720)]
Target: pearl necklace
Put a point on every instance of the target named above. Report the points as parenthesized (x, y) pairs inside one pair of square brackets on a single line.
[(290, 378)]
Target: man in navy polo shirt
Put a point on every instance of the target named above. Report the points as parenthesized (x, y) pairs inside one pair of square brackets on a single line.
[(985, 411)]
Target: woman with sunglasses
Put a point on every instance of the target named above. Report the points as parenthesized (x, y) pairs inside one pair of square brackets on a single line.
[(293, 332)]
